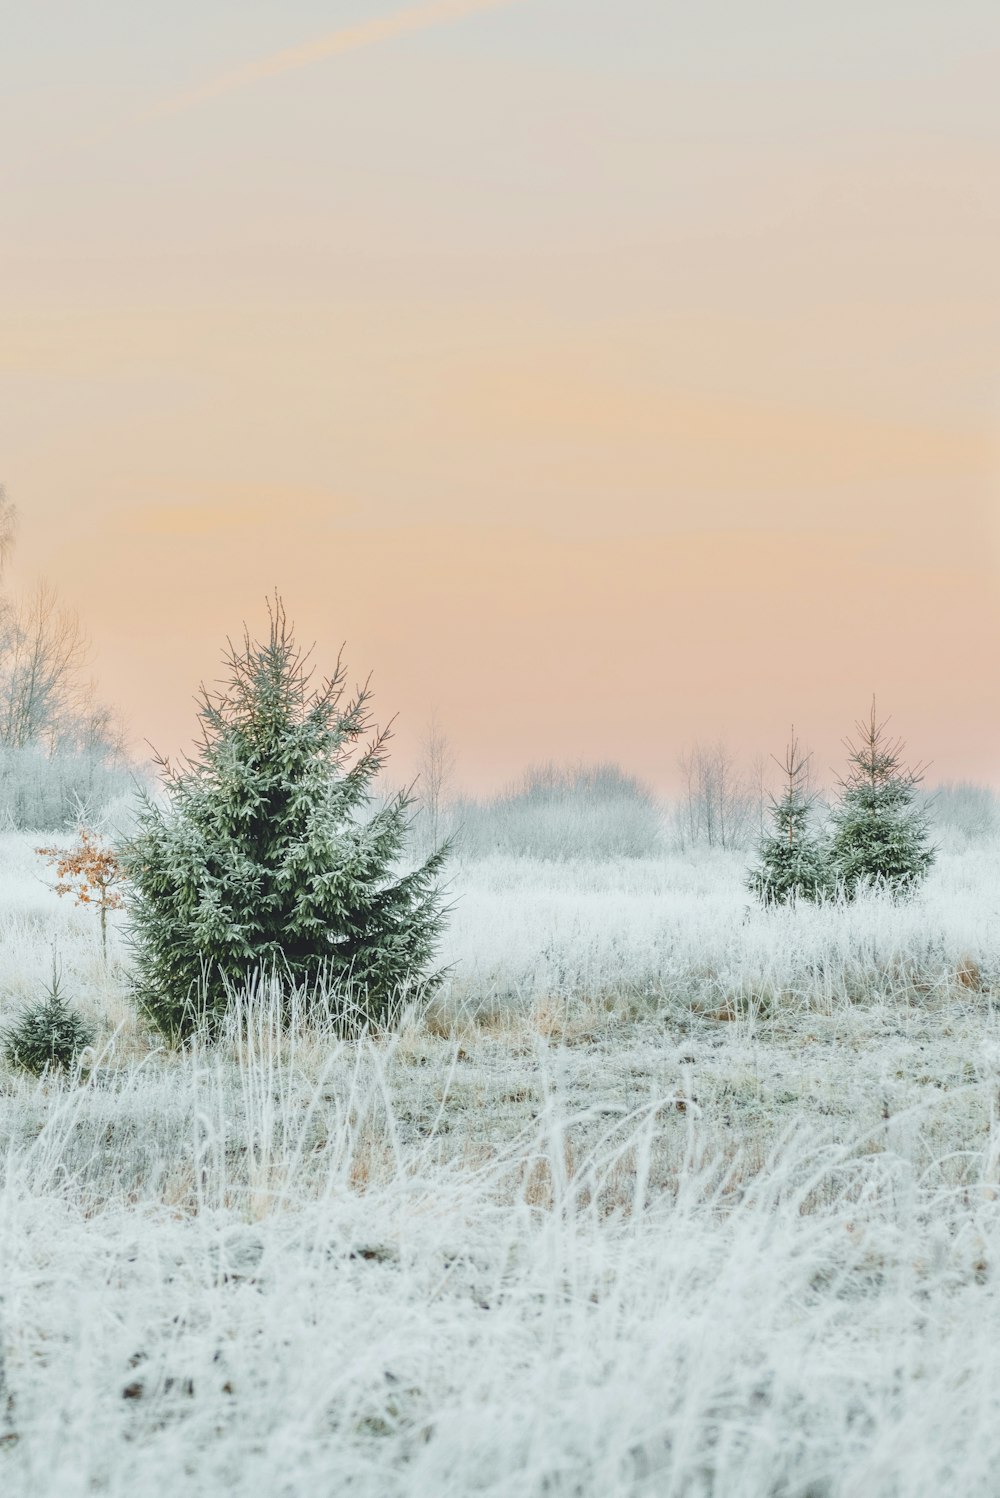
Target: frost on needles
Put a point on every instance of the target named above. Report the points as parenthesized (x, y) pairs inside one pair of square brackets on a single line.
[(267, 858), (880, 832), (878, 838), (791, 858)]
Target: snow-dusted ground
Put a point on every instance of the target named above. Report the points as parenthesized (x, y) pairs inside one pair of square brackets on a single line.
[(664, 1197)]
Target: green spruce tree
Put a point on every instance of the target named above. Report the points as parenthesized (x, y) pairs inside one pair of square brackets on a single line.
[(49, 1035), (792, 861), (267, 857), (880, 833)]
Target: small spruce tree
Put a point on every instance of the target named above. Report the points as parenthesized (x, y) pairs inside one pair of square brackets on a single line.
[(267, 857), (92, 873), (49, 1035), (880, 832), (792, 860)]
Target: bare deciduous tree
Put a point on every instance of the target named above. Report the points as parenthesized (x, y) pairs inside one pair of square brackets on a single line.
[(759, 786), (8, 528), (718, 806), (62, 754), (436, 772), (43, 652)]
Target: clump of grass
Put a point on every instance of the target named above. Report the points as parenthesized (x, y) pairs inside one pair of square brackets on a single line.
[(49, 1035)]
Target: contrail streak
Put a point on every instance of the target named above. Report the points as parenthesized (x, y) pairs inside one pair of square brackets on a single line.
[(347, 39)]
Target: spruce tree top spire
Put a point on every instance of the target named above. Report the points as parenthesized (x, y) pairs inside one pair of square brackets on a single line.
[(876, 758), (268, 856)]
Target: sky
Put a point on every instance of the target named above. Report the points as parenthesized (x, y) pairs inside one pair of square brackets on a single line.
[(604, 375)]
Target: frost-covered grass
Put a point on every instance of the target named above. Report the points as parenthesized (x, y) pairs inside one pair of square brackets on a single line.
[(678, 932), (657, 1200)]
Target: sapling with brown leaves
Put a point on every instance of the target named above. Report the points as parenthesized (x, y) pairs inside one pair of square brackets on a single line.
[(92, 873)]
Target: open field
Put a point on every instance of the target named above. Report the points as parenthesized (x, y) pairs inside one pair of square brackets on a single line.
[(663, 1196)]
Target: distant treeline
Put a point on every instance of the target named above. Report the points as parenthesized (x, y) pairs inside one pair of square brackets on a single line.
[(602, 811)]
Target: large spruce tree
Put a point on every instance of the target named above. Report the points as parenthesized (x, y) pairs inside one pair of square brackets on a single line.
[(267, 856), (791, 859), (880, 833)]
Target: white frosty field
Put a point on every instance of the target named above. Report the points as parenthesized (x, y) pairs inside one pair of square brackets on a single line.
[(664, 1196)]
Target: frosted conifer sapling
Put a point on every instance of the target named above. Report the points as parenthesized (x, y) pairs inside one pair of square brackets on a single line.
[(267, 858), (880, 834), (792, 861)]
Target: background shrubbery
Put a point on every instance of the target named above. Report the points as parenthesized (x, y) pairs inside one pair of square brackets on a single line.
[(562, 812), (44, 790), (961, 814)]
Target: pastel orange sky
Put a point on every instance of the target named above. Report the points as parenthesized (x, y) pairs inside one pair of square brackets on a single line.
[(607, 376)]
